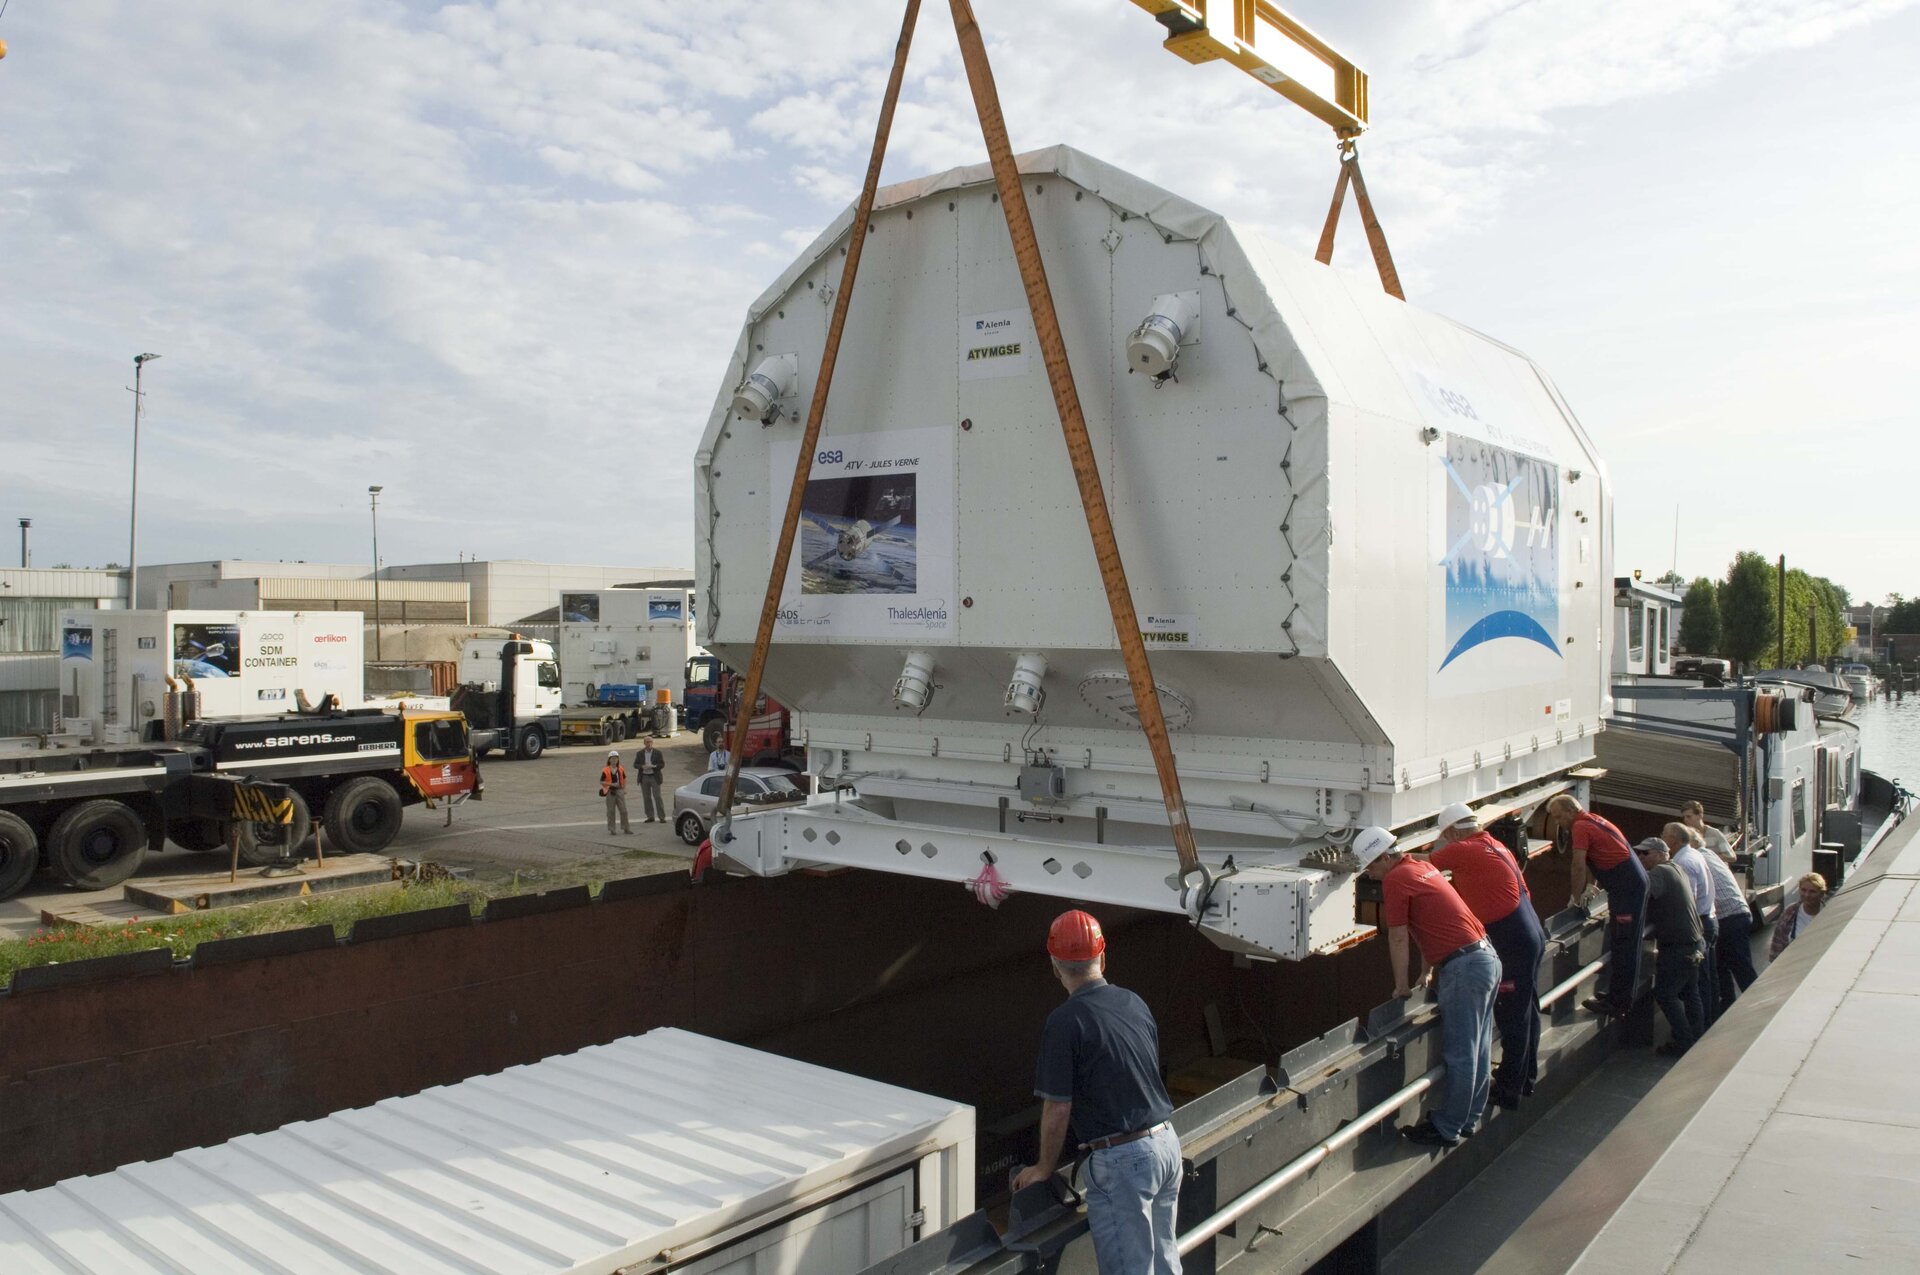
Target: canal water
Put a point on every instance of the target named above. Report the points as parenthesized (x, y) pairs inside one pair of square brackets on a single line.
[(1890, 737)]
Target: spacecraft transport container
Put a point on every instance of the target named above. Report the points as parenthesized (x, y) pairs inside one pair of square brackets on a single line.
[(1368, 548), (115, 666), (620, 647)]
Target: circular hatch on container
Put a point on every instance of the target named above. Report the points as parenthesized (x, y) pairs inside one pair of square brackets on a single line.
[(1109, 692)]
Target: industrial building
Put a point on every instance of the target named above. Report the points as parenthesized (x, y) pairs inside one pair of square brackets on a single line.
[(491, 593), (424, 610), (30, 605), (513, 590)]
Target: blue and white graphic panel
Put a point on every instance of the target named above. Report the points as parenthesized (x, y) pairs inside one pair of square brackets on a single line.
[(1499, 570)]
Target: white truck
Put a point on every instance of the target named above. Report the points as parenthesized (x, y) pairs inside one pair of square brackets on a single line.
[(509, 689), (1368, 548), (115, 666)]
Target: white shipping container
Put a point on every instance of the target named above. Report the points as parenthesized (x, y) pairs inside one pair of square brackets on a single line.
[(621, 637), (114, 665), (1367, 546), (669, 1149)]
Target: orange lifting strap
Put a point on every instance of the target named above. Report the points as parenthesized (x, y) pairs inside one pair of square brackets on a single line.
[(1376, 237)]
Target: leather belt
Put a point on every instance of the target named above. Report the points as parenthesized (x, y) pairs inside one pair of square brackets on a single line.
[(1478, 945), (1121, 1139)]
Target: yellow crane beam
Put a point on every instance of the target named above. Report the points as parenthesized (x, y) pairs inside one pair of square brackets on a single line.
[(1273, 47), (1281, 52)]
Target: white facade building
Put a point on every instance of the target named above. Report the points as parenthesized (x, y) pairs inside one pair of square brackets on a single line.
[(508, 591), (30, 605)]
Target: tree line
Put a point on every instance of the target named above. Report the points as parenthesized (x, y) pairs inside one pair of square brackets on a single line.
[(1739, 617)]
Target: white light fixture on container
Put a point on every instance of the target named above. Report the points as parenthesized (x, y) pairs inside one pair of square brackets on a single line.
[(759, 395), (1024, 692), (915, 685), (1154, 346)]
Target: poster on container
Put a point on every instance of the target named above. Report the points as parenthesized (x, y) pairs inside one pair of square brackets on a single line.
[(76, 643), (1498, 623), (206, 650), (580, 608), (874, 554), (663, 609)]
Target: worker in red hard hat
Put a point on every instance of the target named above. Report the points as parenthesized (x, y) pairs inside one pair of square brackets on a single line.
[(1099, 1074)]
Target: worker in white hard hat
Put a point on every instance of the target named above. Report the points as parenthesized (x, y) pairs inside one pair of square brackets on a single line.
[(1493, 885), (1466, 976), (613, 786)]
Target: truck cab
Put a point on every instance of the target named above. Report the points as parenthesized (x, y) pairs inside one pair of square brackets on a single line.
[(510, 691), (712, 699)]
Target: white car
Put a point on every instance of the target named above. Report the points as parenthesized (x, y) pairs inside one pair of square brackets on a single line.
[(757, 788)]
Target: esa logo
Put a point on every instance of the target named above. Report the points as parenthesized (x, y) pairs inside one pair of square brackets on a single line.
[(829, 458)]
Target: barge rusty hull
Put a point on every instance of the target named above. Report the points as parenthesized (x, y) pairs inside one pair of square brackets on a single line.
[(904, 981)]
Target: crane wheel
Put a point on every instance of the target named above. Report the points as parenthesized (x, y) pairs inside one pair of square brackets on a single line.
[(19, 854), (362, 815), (96, 845)]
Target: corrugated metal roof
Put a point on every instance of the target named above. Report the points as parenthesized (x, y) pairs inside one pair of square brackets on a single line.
[(585, 1162)]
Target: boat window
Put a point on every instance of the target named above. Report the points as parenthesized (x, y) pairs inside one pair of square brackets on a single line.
[(1660, 655), (1799, 809), (1636, 632), (550, 675), (1852, 762)]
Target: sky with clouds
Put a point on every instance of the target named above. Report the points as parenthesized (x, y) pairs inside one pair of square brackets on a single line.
[(495, 256)]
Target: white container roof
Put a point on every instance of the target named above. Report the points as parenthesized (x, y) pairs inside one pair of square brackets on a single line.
[(584, 1162)]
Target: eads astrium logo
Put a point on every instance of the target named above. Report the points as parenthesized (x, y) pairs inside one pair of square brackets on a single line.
[(1502, 561)]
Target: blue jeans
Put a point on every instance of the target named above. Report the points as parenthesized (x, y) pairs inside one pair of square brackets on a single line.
[(1733, 959), (1709, 975), (1467, 984), (1626, 886), (1520, 944), (1131, 1193), (1676, 986)]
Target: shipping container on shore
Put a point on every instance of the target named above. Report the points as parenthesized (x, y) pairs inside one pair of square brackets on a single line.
[(622, 645), (115, 665)]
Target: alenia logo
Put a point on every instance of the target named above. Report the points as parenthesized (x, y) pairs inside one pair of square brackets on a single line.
[(991, 325)]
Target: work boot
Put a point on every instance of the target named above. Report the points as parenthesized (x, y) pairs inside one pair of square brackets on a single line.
[(1426, 1135)]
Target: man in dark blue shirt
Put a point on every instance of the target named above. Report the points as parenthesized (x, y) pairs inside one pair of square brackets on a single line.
[(1099, 1072)]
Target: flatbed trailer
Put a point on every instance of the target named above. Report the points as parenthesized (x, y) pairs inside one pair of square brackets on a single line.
[(604, 724)]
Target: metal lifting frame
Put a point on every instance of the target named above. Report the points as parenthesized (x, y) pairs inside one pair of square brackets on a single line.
[(1261, 32), (1194, 875)]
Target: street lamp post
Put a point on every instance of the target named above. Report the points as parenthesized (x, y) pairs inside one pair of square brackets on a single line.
[(373, 500), (140, 362)]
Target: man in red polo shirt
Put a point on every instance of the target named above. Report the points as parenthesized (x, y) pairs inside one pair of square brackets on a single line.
[(1490, 882), (1601, 851), (1466, 975)]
